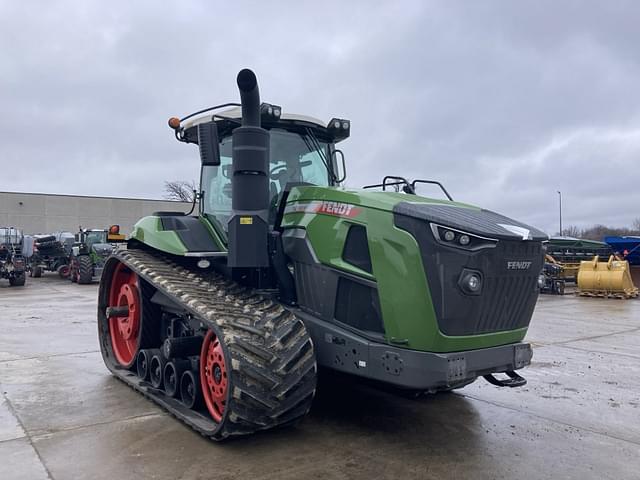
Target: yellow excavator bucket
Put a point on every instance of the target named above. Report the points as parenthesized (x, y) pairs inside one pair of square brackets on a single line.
[(606, 279)]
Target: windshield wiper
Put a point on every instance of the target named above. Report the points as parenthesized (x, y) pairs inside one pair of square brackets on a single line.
[(312, 143)]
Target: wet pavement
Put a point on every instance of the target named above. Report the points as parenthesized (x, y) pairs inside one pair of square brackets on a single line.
[(62, 415)]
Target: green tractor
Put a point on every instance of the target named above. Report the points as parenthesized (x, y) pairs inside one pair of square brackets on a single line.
[(223, 318), (88, 255)]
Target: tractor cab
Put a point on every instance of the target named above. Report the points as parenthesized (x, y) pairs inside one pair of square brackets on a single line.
[(302, 151), (86, 238)]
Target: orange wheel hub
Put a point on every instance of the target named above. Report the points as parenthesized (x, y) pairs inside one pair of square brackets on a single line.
[(213, 376), (124, 330)]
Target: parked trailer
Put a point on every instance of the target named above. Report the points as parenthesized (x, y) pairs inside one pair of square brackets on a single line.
[(48, 252)]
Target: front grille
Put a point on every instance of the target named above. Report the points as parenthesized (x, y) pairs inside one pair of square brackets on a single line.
[(507, 304), (508, 297)]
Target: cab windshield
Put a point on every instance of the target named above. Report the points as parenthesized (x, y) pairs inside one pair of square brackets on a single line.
[(96, 237), (292, 159)]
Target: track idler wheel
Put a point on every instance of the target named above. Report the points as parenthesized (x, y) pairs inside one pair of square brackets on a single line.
[(124, 315), (144, 361), (214, 376), (156, 370), (190, 389), (172, 374)]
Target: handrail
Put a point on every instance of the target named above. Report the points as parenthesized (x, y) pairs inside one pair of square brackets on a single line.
[(409, 187)]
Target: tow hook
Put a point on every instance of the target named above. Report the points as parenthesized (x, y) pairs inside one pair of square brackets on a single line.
[(514, 380)]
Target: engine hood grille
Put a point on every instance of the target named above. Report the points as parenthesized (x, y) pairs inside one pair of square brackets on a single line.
[(508, 295), (102, 249)]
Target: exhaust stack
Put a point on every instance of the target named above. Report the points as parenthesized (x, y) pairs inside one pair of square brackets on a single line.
[(248, 224), (249, 98)]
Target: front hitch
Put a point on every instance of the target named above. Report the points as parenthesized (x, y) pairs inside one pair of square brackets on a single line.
[(514, 380)]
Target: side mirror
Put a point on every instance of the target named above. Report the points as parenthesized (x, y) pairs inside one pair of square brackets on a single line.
[(334, 155), (208, 143)]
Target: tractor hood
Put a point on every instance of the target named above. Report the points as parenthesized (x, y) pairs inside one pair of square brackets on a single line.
[(446, 213), (473, 220), (102, 249)]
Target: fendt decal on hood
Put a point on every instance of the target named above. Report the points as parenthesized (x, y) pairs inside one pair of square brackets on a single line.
[(337, 209)]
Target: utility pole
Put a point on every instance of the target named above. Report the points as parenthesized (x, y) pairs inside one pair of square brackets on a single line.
[(560, 202)]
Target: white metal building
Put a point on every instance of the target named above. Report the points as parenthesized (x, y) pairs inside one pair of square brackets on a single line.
[(46, 213)]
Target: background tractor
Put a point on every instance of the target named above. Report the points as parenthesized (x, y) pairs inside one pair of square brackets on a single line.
[(223, 317), (12, 264), (90, 250)]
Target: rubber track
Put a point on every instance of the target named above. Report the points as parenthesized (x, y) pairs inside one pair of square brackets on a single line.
[(271, 360)]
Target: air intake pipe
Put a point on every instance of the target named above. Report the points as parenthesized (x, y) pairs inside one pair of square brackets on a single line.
[(248, 224)]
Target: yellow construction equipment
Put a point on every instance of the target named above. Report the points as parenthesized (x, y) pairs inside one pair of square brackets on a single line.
[(606, 279), (568, 270)]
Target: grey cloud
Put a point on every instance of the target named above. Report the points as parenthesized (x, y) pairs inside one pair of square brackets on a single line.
[(504, 102)]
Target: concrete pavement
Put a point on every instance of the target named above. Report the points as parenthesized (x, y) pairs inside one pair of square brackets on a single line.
[(63, 416)]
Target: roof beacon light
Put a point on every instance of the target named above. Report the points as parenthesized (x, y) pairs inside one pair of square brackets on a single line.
[(174, 123)]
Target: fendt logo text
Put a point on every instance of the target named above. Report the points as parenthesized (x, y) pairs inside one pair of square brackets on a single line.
[(518, 265)]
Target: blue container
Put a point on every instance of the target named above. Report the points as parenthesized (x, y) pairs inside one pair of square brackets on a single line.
[(627, 246)]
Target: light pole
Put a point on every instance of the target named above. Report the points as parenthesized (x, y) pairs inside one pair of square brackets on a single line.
[(560, 202)]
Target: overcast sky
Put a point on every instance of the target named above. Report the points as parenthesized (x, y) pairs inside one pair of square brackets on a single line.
[(504, 102)]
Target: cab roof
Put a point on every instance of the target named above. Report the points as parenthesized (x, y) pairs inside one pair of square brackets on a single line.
[(236, 114)]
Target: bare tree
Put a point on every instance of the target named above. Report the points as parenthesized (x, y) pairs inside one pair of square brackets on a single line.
[(571, 231), (636, 226), (180, 190)]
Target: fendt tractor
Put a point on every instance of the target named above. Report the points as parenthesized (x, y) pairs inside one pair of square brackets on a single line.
[(90, 250), (224, 317)]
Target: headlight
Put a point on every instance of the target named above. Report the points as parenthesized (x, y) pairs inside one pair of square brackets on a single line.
[(470, 282), (473, 282), (204, 263), (339, 128), (270, 113), (453, 237)]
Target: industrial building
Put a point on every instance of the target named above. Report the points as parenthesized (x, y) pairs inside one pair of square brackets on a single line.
[(45, 213)]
